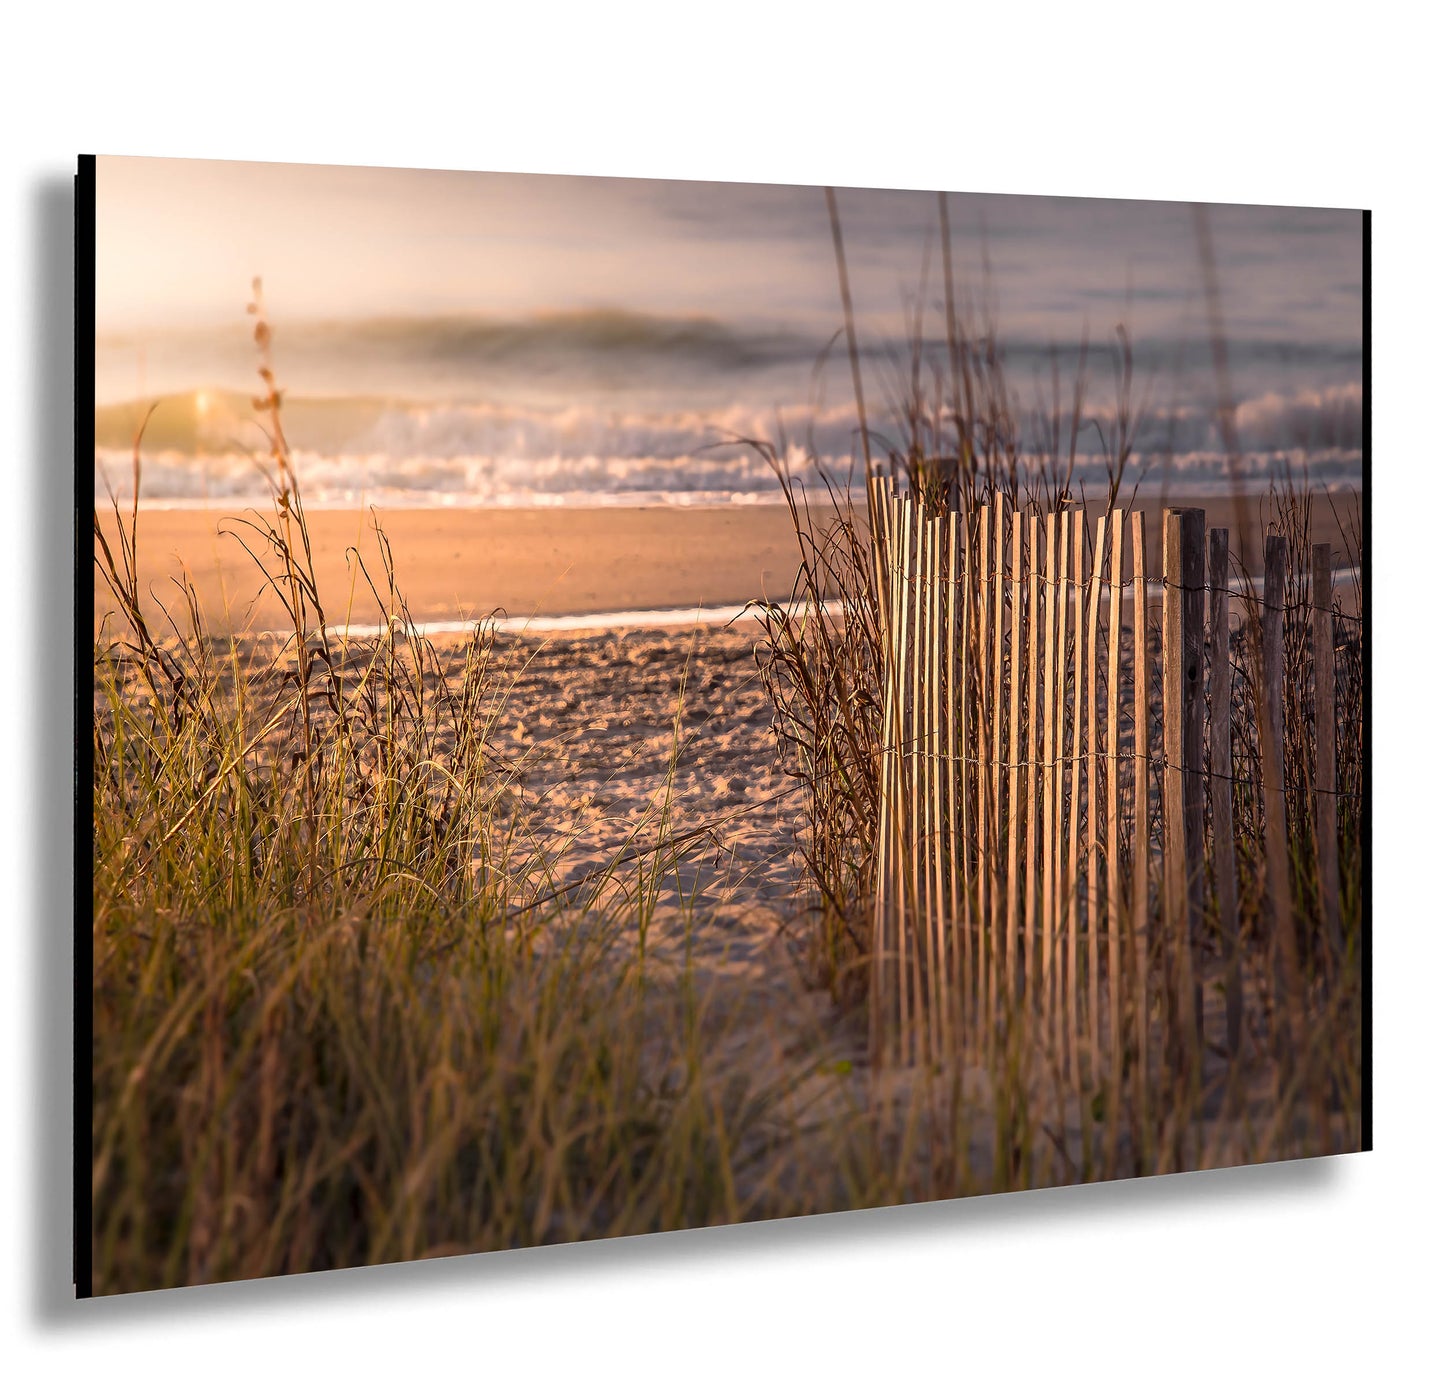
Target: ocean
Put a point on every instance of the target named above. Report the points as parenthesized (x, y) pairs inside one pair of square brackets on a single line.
[(639, 358)]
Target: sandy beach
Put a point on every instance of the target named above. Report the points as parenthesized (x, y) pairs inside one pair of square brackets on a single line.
[(629, 739), (642, 755), (622, 737)]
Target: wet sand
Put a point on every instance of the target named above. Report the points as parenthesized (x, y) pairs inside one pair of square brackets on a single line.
[(462, 564)]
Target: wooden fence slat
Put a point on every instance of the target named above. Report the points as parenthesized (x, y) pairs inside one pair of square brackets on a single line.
[(916, 839), (1031, 770), (955, 851), (923, 922), (1113, 890), (1184, 760), (906, 652), (1327, 837), (1074, 781), (1139, 900), (938, 999), (896, 970), (1050, 772), (882, 870), (890, 957), (1221, 786), (928, 909), (1018, 589), (1062, 977), (898, 1012), (967, 739), (985, 826), (998, 587), (1093, 930)]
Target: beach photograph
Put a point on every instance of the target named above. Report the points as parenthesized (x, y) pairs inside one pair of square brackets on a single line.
[(632, 705)]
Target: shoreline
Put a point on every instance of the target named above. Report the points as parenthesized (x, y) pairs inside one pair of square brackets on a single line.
[(455, 565), (552, 570)]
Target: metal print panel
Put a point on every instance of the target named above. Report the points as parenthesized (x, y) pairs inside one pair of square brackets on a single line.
[(629, 705)]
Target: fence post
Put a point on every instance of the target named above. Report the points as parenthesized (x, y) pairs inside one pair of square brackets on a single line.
[(1276, 840), (1326, 812), (1184, 758), (1221, 788)]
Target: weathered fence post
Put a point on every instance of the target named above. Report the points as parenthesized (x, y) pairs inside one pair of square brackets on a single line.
[(1276, 839), (1184, 758), (1221, 782), (1326, 812)]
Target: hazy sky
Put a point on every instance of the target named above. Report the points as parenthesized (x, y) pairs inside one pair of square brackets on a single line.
[(491, 336), (179, 241)]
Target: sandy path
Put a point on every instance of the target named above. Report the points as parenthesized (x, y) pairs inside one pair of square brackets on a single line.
[(624, 736)]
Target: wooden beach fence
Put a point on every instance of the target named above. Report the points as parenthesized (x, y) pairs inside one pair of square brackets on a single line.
[(1056, 810)]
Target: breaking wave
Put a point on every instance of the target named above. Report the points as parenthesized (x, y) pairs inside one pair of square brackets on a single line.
[(206, 446)]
